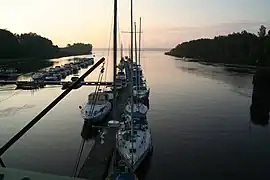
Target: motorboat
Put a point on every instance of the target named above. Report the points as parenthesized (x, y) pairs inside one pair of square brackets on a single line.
[(141, 91), (134, 141), (73, 79), (37, 76), (96, 108), (121, 75), (52, 77)]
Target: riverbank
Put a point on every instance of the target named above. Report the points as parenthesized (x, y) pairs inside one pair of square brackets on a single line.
[(204, 62), (27, 65), (6, 61)]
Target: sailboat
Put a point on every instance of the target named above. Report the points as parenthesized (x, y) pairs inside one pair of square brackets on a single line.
[(121, 64), (141, 91), (134, 141), (96, 108), (133, 138)]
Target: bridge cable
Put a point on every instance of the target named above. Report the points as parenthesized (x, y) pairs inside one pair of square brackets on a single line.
[(26, 128)]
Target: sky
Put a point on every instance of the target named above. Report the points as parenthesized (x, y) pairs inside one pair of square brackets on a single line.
[(165, 23)]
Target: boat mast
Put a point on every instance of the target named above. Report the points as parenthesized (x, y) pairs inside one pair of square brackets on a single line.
[(131, 87), (122, 51), (114, 58), (135, 42), (139, 73), (136, 60), (140, 31)]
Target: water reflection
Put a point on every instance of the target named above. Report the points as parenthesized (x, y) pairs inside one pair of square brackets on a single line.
[(13, 110), (239, 81), (89, 132), (144, 168), (259, 109), (31, 66)]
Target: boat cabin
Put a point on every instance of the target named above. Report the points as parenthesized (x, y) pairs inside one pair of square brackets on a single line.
[(97, 98)]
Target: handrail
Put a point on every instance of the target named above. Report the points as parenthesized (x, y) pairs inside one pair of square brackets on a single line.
[(26, 128)]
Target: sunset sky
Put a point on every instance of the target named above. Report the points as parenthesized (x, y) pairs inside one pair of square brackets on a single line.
[(165, 22)]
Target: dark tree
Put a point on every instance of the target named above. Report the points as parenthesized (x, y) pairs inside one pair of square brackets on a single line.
[(236, 48), (31, 45), (9, 44), (262, 31)]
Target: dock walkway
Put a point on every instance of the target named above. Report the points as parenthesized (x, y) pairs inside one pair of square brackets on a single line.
[(96, 165)]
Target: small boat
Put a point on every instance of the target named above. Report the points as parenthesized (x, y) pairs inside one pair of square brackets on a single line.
[(73, 79), (75, 69), (134, 143), (96, 108), (58, 75), (91, 60), (121, 75), (141, 91), (29, 85), (38, 76), (51, 77)]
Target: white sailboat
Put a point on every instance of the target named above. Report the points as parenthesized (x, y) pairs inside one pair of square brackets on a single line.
[(133, 138), (96, 108), (134, 147)]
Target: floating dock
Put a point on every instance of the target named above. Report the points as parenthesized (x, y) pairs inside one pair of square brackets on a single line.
[(98, 162)]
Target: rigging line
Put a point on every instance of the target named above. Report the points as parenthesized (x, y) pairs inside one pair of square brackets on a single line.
[(109, 49), (78, 158), (97, 89), (36, 119)]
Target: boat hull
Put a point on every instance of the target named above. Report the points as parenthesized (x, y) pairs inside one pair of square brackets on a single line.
[(100, 116)]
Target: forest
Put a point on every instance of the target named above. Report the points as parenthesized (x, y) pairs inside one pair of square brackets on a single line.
[(242, 48), (33, 46)]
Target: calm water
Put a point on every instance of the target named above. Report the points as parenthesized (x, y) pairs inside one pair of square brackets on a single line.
[(199, 119)]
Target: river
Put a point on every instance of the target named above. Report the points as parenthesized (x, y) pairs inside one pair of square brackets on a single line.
[(199, 118)]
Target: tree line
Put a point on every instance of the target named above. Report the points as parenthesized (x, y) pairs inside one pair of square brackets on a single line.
[(31, 45), (236, 48)]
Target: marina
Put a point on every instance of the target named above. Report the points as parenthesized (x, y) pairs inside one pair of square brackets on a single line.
[(77, 111)]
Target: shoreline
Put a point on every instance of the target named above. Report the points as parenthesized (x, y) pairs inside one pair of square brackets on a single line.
[(201, 61), (29, 59)]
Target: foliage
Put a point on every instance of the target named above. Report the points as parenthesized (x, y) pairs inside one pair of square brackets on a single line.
[(31, 45), (236, 48)]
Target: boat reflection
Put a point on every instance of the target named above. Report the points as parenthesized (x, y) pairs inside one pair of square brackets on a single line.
[(259, 109), (144, 168), (89, 132)]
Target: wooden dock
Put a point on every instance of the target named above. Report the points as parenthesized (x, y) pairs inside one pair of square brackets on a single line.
[(98, 161)]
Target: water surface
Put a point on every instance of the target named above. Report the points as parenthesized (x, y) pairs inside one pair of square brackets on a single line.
[(199, 117)]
